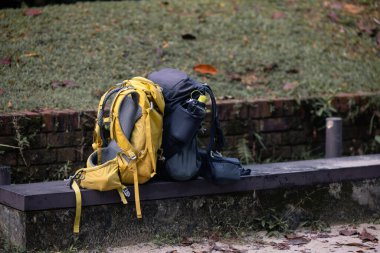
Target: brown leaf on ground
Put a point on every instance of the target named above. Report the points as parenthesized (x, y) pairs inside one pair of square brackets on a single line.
[(352, 8), (270, 67), (352, 244), (292, 71), (33, 12), (367, 237), (31, 54), (2, 91), (249, 79), (372, 227), (290, 86), (282, 246), (187, 241), (347, 232), (10, 104), (333, 17), (64, 84), (367, 28), (298, 240), (205, 69), (188, 36), (6, 61), (278, 15)]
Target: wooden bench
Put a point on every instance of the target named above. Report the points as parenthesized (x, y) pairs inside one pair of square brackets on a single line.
[(27, 211)]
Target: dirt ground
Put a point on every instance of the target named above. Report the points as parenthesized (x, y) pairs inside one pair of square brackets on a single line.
[(341, 238)]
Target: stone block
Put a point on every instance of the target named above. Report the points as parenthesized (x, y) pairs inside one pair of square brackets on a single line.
[(65, 139)]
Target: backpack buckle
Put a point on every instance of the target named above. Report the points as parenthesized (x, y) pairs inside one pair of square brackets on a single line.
[(126, 192)]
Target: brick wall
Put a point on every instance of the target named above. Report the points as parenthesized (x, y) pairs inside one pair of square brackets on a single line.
[(56, 143)]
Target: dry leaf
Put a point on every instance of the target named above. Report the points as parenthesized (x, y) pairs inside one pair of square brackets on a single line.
[(249, 79), (365, 236), (333, 17), (2, 91), (278, 15), (270, 67), (347, 232), (31, 54), (10, 105), (205, 69), (290, 86), (187, 241), (64, 84), (292, 71), (6, 61), (352, 8), (32, 12), (298, 240), (188, 36), (165, 44)]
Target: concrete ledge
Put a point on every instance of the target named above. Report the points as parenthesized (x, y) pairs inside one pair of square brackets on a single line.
[(297, 191), (56, 194)]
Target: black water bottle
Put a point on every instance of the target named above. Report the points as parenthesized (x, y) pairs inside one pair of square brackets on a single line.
[(189, 117)]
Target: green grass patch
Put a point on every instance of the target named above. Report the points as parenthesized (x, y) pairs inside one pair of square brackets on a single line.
[(257, 47)]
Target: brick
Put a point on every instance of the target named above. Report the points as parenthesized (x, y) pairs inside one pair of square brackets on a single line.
[(37, 141), (282, 107), (6, 125), (48, 120), (66, 154), (87, 120), (275, 124), (294, 137), (64, 139), (9, 158), (7, 140), (39, 156), (260, 109), (271, 139)]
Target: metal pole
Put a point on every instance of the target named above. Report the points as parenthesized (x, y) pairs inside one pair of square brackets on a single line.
[(334, 145), (5, 175)]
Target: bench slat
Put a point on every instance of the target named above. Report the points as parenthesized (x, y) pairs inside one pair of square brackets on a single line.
[(56, 194)]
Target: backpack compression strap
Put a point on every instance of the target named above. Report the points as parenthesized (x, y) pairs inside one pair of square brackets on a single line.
[(99, 139), (216, 134)]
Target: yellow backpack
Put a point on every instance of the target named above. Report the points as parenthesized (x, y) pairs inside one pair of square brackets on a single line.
[(129, 154)]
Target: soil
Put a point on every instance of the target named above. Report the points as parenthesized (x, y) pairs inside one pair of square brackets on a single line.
[(339, 238)]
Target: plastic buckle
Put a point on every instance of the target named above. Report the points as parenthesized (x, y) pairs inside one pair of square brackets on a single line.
[(126, 192)]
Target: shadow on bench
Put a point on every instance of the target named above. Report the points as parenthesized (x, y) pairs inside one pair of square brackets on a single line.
[(40, 215)]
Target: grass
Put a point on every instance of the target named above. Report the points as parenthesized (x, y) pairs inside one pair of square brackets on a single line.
[(257, 47)]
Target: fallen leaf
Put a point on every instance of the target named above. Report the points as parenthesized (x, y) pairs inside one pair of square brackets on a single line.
[(205, 69), (165, 44), (10, 105), (352, 8), (372, 227), (6, 61), (278, 15), (347, 232), (33, 12), (31, 54), (225, 97), (64, 84), (249, 79), (367, 237), (172, 251), (186, 241), (2, 91), (352, 244), (290, 86), (336, 5), (367, 28), (333, 17), (298, 241), (270, 67), (188, 36), (323, 235), (292, 71), (282, 246)]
